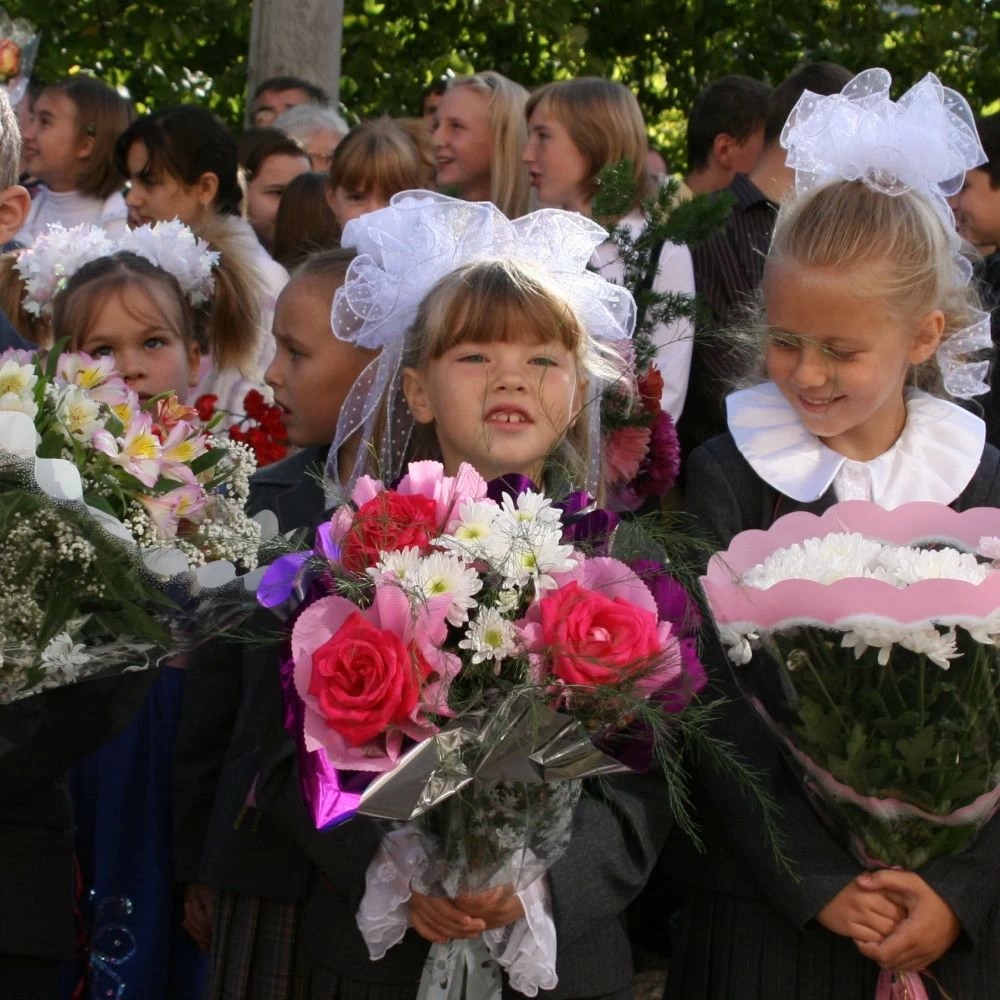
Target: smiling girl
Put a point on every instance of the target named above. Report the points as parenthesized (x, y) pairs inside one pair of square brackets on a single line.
[(69, 145)]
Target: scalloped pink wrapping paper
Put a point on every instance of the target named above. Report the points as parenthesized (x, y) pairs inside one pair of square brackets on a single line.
[(805, 602)]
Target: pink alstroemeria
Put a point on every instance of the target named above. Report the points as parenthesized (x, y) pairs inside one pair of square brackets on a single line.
[(138, 452), (97, 376), (167, 511), (183, 444), (171, 411)]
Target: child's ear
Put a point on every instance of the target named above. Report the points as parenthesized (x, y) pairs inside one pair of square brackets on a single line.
[(415, 393), (15, 203), (206, 187), (927, 337)]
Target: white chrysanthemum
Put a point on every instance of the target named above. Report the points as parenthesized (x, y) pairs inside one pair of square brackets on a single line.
[(78, 413), (837, 556), (399, 566), (64, 656), (908, 565), (531, 506), (443, 573), (507, 601), (533, 556), (989, 546), (938, 647), (490, 636), (983, 630), (472, 535)]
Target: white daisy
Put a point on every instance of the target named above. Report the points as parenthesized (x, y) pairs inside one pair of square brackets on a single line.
[(64, 657), (489, 636), (399, 566), (443, 573)]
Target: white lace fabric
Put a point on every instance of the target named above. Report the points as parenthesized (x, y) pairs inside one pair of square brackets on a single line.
[(924, 142), (525, 949)]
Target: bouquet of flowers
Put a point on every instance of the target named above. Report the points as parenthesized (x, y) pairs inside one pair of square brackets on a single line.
[(467, 643), (115, 500), (259, 426), (882, 630)]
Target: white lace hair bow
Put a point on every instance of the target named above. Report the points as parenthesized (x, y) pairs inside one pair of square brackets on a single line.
[(58, 253), (403, 251), (925, 142)]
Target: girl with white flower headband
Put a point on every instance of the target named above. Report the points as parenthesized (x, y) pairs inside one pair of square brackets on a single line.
[(870, 325), (132, 301)]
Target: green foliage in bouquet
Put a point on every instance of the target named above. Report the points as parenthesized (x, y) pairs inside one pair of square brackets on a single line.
[(915, 726)]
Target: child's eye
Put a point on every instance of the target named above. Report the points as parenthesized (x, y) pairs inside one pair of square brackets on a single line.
[(784, 342), (101, 351), (545, 361), (154, 343), (839, 354), (473, 358)]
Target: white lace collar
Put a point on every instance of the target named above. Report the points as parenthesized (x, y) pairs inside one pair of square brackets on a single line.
[(934, 458)]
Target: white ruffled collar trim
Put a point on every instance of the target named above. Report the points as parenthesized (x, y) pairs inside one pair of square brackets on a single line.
[(934, 458)]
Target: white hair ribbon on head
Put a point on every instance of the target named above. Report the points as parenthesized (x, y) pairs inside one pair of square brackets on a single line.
[(403, 251), (924, 142), (58, 253)]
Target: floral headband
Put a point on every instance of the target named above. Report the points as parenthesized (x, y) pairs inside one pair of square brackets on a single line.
[(59, 253), (404, 250), (924, 142)]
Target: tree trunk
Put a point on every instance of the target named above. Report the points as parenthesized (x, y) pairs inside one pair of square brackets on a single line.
[(296, 38)]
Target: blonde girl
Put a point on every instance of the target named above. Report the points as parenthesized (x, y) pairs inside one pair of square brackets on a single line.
[(576, 128), (69, 144), (479, 135), (869, 316), (374, 161)]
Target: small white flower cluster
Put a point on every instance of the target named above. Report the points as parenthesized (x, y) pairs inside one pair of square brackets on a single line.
[(843, 556), (239, 464)]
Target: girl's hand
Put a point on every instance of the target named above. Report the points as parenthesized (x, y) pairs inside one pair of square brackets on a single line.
[(496, 908), (199, 913), (928, 930), (438, 919), (862, 914)]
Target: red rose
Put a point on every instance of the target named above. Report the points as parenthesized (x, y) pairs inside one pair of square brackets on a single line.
[(205, 405), (650, 387), (365, 680), (594, 640), (386, 523)]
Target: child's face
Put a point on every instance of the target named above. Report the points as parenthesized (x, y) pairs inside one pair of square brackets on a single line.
[(841, 359), (559, 171), (312, 370), (156, 196), (979, 209), (463, 143), (54, 150), (347, 204), (135, 327), (265, 190), (501, 407)]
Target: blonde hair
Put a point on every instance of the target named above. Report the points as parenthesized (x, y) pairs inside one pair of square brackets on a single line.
[(505, 103), (501, 301), (380, 156), (895, 247), (604, 122)]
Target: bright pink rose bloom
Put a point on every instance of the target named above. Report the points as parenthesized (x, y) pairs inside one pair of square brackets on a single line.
[(593, 640), (365, 679)]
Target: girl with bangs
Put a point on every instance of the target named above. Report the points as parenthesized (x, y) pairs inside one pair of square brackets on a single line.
[(374, 161), (576, 128)]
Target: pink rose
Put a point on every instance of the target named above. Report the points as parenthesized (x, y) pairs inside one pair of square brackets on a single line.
[(365, 680), (592, 640)]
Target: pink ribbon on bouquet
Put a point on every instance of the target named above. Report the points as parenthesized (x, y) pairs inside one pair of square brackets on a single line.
[(900, 986)]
